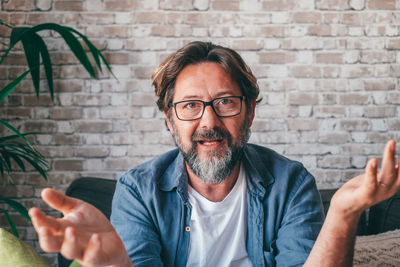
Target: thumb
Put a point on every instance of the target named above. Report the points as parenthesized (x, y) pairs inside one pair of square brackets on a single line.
[(59, 201), (370, 179)]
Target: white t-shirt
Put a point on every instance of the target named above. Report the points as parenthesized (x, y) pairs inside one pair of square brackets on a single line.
[(218, 229)]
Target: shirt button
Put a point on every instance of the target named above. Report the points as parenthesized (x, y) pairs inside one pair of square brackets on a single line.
[(187, 228)]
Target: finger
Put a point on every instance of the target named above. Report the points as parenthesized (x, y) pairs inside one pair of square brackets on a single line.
[(388, 167), (371, 171), (59, 201), (39, 219), (49, 242), (70, 248), (92, 254)]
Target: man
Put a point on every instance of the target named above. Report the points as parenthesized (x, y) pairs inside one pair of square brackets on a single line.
[(216, 200)]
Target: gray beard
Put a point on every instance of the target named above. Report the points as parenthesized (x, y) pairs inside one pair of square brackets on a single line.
[(216, 168)]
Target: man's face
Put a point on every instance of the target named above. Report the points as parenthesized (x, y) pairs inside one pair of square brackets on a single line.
[(211, 145)]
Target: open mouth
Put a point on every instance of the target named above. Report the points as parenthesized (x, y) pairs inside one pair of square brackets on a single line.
[(210, 142)]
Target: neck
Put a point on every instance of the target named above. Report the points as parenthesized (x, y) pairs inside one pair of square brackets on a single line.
[(214, 192)]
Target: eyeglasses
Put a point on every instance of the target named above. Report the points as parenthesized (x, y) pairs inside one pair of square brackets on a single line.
[(190, 110)]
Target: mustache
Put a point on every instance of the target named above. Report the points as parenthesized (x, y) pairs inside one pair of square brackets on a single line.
[(215, 133)]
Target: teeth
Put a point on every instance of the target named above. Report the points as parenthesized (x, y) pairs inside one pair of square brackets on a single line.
[(210, 142)]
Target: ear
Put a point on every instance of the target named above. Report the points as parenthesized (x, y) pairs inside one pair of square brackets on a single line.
[(252, 111), (169, 125)]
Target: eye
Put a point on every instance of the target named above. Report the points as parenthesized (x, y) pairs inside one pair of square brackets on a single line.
[(224, 101), (191, 105)]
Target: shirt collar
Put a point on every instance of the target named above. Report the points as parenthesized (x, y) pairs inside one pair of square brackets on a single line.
[(257, 174)]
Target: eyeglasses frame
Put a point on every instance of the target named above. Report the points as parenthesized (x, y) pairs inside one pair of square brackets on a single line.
[(208, 103)]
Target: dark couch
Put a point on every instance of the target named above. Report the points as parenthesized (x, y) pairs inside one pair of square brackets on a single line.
[(384, 216)]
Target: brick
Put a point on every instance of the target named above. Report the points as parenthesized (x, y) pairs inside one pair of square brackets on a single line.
[(92, 152), (89, 100), (377, 57), (201, 4), (117, 31), (303, 43), (225, 5), (305, 72), (68, 165), (114, 113), (394, 98), (98, 18), (302, 124), (306, 17), (57, 152), (334, 138), (332, 112), (18, 5), (332, 4), (121, 139), (379, 112), (66, 113), (357, 4), (147, 125), (303, 99), (393, 44), (276, 57), (93, 126), (73, 5), (121, 164), (381, 4), (353, 99), (40, 126), (355, 125), (247, 44), (16, 113), (329, 58), (357, 71), (337, 162), (380, 85), (176, 5), (33, 100), (275, 5), (121, 5), (163, 30), (63, 139)]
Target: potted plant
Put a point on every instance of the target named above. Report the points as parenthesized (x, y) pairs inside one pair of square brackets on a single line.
[(15, 149)]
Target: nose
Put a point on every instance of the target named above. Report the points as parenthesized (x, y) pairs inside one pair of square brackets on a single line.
[(209, 119)]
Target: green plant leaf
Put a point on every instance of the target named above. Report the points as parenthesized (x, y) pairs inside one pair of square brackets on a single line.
[(36, 166), (71, 41), (46, 62), (9, 126), (6, 161), (92, 48), (19, 162), (17, 207), (31, 156), (10, 137), (95, 52), (11, 222), (11, 86), (16, 34), (32, 55)]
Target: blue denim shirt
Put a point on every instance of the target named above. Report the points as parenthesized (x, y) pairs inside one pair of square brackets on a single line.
[(151, 211)]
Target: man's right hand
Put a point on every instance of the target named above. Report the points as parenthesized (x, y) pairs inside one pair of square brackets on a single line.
[(83, 234)]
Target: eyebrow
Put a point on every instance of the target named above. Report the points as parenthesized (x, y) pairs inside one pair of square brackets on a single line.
[(197, 97)]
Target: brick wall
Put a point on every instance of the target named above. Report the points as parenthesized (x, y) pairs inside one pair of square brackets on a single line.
[(328, 72)]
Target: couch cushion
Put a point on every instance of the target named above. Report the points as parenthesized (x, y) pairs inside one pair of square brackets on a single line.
[(378, 250), (16, 253)]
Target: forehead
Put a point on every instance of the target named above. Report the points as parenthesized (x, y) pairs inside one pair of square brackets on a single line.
[(204, 81)]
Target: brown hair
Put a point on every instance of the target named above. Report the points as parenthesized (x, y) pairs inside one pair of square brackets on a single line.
[(165, 74)]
